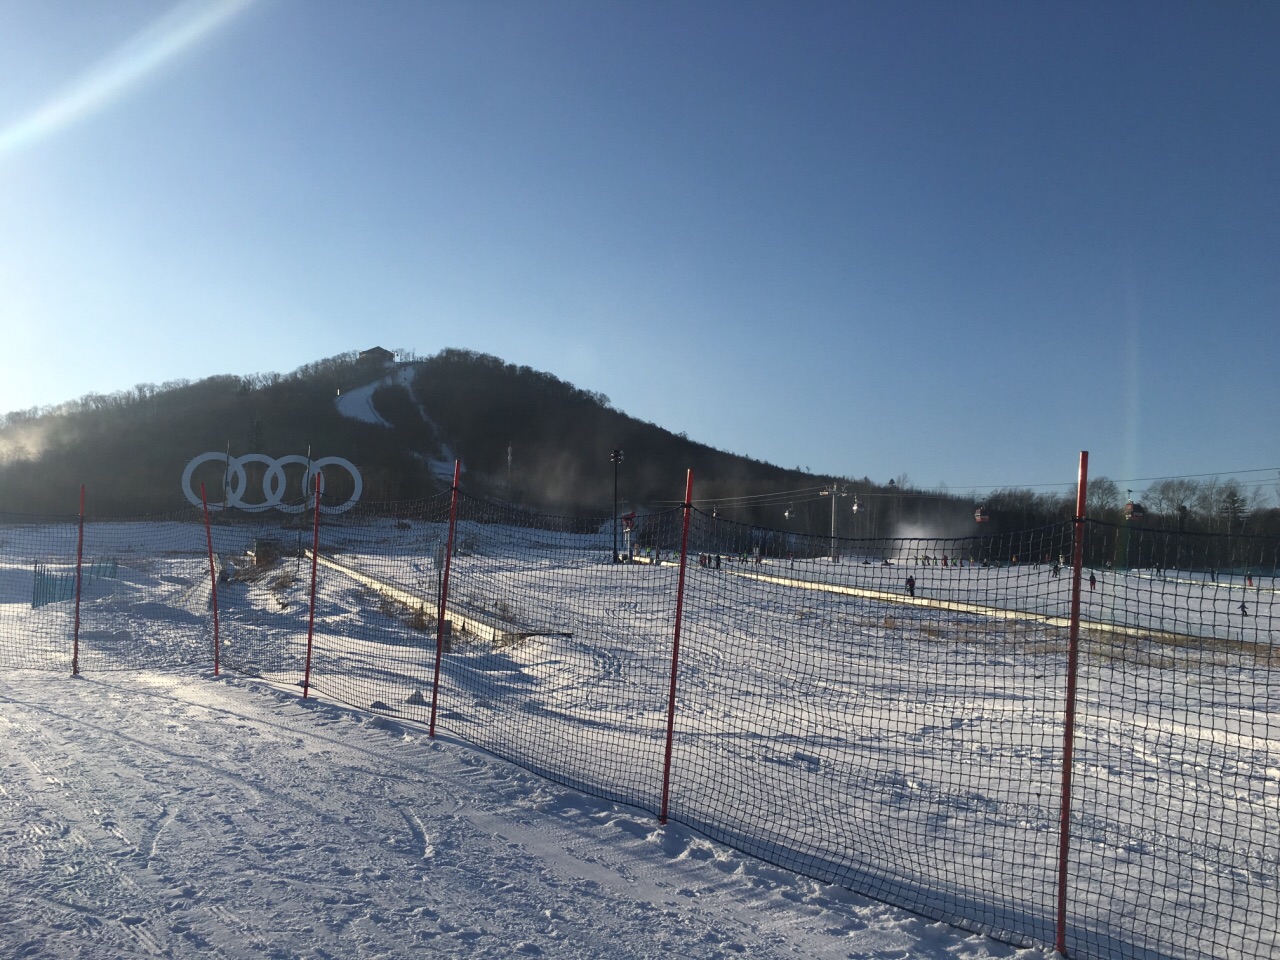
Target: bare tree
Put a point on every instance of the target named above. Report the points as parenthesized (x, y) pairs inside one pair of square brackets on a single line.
[(1103, 495), (1207, 502), (1166, 498)]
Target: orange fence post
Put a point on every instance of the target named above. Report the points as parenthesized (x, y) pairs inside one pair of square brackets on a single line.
[(1069, 726), (213, 580), (75, 640), (675, 647), (311, 622), (444, 596)]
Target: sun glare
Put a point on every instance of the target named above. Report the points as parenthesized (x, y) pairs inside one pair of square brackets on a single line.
[(171, 35)]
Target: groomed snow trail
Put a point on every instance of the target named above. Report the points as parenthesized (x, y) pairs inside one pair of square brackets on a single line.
[(177, 815)]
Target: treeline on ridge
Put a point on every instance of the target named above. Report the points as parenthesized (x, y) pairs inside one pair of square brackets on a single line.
[(526, 439)]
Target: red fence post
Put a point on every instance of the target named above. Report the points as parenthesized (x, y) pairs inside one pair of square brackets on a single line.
[(311, 621), (75, 640), (1069, 725), (213, 579), (675, 646), (444, 596)]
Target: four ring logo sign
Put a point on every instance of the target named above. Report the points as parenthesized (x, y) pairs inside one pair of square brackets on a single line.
[(235, 480)]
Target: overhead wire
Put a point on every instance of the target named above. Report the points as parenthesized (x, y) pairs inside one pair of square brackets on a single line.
[(801, 495)]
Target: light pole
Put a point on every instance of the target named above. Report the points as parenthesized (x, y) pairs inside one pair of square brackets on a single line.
[(893, 507), (616, 458), (1182, 523)]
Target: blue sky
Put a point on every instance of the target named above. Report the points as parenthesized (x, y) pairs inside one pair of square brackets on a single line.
[(956, 241)]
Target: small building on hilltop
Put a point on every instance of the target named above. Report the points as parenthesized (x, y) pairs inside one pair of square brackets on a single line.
[(377, 355)]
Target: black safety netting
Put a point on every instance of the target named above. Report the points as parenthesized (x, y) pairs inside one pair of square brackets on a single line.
[(888, 715), (146, 593), (1175, 827), (881, 714), (379, 573), (37, 591)]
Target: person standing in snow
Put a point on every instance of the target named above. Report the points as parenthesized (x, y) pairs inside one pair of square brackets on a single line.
[(911, 586)]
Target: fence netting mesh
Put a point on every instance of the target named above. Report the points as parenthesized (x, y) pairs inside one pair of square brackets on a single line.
[(1176, 802), (879, 717), (887, 715), (37, 590)]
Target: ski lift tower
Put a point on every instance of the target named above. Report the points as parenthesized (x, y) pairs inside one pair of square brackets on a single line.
[(835, 491), (1132, 512)]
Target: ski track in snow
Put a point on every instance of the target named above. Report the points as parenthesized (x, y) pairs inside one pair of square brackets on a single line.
[(171, 815)]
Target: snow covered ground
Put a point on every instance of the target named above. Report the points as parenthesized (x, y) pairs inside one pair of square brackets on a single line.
[(171, 814), (824, 722)]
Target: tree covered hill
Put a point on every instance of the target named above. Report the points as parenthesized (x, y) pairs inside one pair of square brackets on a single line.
[(522, 435), (529, 437)]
